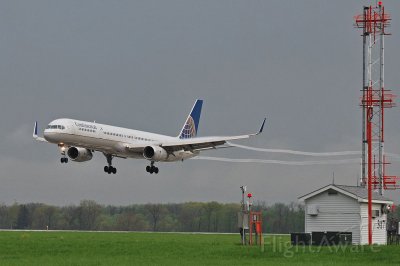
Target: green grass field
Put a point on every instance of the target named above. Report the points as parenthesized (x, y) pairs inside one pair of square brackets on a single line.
[(99, 248)]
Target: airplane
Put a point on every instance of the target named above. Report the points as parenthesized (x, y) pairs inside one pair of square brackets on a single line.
[(80, 139)]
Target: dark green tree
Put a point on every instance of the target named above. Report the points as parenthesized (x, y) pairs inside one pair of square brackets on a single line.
[(23, 217)]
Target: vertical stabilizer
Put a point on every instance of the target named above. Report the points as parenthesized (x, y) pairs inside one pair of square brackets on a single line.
[(189, 129)]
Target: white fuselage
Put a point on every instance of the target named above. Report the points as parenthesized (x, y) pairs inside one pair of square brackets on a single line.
[(107, 139)]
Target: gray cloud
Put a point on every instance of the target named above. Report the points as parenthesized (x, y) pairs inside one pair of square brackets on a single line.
[(141, 64)]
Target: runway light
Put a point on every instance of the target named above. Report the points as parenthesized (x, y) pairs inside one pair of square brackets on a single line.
[(380, 3), (249, 195)]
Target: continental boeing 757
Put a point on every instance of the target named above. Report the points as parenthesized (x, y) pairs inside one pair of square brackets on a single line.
[(80, 139)]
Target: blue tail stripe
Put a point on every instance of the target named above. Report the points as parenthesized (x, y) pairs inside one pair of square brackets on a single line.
[(196, 113), (191, 125)]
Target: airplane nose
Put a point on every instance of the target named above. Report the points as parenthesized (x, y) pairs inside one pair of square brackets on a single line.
[(47, 135)]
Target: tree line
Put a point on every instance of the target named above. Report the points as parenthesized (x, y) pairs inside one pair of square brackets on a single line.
[(170, 217)]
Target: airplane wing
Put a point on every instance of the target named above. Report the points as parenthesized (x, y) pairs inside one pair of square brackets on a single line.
[(35, 135), (194, 144)]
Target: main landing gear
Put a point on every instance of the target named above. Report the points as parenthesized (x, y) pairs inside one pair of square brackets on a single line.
[(64, 160), (151, 168), (109, 169)]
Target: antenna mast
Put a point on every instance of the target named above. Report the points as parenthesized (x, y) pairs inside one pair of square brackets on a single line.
[(375, 99)]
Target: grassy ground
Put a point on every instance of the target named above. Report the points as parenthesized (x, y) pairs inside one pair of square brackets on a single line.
[(86, 248)]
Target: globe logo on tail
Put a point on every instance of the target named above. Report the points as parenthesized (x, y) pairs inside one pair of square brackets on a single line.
[(189, 130)]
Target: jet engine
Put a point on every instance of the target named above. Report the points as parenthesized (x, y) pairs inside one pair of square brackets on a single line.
[(79, 154), (155, 153)]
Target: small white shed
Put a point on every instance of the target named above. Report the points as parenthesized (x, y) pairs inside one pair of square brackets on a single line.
[(342, 208)]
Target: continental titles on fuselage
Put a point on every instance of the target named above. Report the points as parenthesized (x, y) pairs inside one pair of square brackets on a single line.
[(85, 125)]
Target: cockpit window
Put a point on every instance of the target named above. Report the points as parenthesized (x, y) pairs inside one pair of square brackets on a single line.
[(55, 127)]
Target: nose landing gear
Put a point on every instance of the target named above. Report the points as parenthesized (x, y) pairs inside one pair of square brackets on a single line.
[(64, 158)]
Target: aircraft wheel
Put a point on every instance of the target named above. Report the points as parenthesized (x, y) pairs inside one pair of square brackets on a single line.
[(148, 168), (106, 169), (156, 170), (114, 170), (62, 160)]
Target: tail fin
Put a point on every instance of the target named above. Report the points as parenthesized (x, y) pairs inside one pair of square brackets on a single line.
[(189, 129)]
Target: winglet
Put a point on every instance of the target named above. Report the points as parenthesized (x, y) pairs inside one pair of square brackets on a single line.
[(35, 135), (35, 130), (262, 127)]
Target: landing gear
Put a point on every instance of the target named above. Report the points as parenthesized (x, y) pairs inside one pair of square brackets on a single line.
[(64, 158), (151, 168), (109, 169)]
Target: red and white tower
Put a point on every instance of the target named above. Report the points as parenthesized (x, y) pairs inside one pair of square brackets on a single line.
[(375, 99)]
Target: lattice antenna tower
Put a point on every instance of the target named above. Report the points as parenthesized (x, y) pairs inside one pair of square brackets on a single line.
[(375, 98)]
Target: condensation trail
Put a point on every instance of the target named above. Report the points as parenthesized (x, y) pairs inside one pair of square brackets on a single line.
[(298, 163), (395, 157), (315, 154)]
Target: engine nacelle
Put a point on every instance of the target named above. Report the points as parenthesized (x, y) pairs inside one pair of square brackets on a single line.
[(155, 153), (79, 154)]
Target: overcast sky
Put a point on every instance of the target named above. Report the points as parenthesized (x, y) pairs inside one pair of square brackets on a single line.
[(142, 64)]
